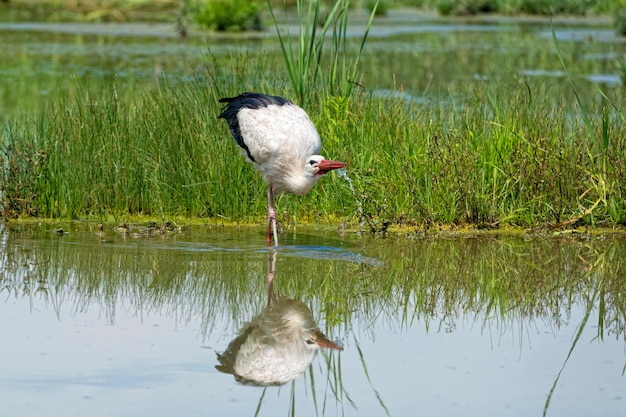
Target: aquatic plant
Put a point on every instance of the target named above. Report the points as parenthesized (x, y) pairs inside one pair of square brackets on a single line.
[(303, 58), (227, 15)]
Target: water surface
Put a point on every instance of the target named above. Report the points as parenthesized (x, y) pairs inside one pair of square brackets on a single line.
[(422, 57), (101, 323)]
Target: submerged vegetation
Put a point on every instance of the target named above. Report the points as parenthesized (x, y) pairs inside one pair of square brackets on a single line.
[(620, 20)]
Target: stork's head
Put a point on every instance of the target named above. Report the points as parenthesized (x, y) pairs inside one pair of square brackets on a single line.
[(317, 165), (297, 321), (315, 339)]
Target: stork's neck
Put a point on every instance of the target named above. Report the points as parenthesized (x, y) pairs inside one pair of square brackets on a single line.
[(301, 183), (290, 178)]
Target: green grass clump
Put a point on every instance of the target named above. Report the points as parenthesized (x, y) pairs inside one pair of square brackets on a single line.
[(227, 15), (507, 155), (536, 7), (497, 159), (302, 54), (103, 155)]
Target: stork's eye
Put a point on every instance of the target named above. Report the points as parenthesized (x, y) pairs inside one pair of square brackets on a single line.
[(312, 162), (310, 342)]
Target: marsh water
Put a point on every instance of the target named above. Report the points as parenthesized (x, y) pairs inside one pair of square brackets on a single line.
[(420, 57), (117, 322), (99, 322)]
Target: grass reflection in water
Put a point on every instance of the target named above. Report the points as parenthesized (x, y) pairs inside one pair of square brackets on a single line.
[(214, 278)]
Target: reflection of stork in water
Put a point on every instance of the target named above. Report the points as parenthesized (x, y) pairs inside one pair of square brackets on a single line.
[(277, 345)]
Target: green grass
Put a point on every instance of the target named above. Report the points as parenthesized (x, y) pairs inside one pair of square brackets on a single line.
[(302, 54), (227, 15), (505, 156), (503, 153)]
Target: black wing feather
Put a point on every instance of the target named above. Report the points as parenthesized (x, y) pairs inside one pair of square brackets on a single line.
[(246, 101)]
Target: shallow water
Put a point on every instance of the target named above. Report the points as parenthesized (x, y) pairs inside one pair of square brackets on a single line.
[(420, 57), (101, 323)]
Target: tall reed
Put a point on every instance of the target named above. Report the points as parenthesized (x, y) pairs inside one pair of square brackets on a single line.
[(303, 57)]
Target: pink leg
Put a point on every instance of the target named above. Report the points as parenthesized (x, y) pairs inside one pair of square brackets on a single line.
[(271, 217), (271, 270)]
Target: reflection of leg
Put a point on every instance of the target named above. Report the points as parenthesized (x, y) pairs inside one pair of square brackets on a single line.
[(270, 208), (271, 271), (271, 216)]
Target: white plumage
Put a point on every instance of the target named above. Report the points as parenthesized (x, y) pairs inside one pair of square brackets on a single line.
[(280, 140), (276, 346)]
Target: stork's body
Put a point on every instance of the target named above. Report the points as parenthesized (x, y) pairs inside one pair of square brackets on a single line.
[(280, 140), (276, 346)]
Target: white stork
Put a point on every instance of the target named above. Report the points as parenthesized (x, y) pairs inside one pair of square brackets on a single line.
[(279, 139)]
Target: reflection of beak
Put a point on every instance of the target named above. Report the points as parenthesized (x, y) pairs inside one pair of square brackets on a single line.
[(325, 165), (323, 342)]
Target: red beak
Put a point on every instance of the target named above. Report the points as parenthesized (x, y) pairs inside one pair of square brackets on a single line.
[(325, 165), (323, 342)]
